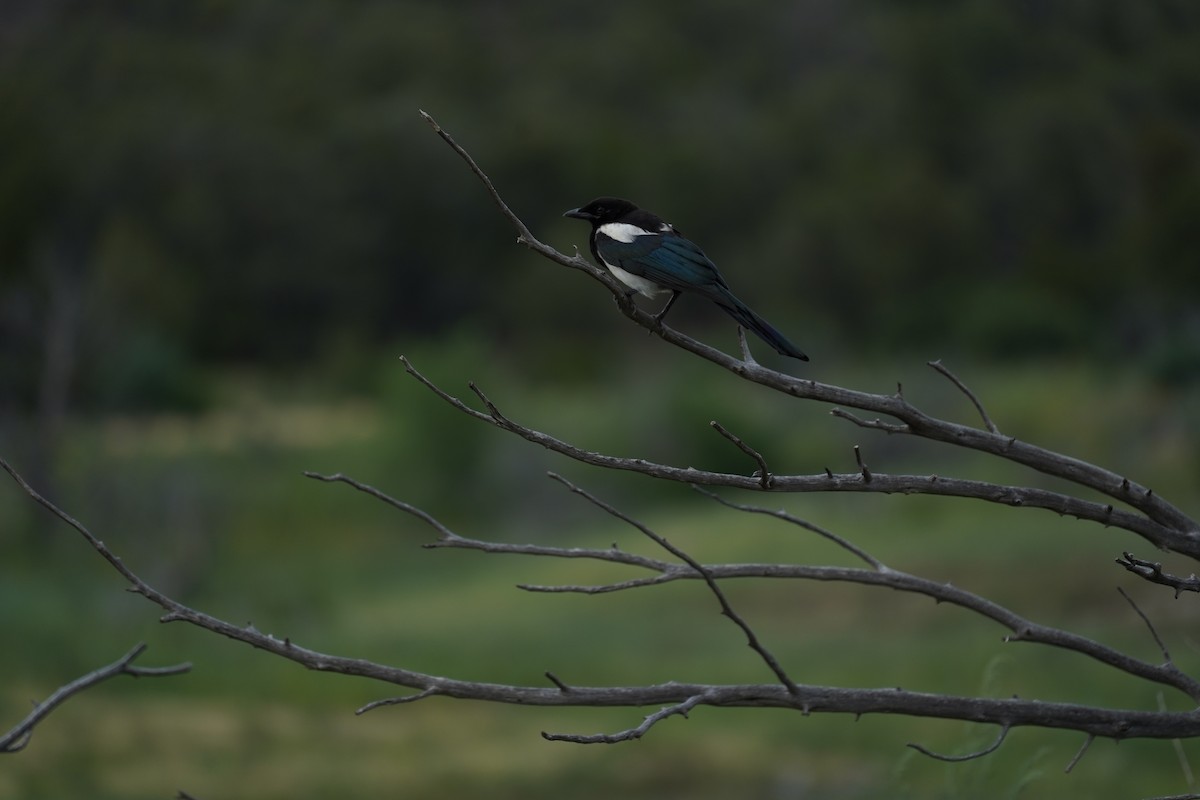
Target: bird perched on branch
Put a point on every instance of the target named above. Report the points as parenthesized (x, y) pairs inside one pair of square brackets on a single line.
[(648, 255)]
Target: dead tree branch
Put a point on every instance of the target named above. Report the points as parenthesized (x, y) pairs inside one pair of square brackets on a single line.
[(808, 699), (1016, 496)]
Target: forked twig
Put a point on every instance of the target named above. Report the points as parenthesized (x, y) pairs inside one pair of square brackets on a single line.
[(17, 738), (1153, 572), (649, 722)]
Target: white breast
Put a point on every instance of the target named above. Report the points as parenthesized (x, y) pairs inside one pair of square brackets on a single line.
[(636, 282)]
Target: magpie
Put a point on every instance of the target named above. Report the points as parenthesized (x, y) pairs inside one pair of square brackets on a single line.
[(648, 255)]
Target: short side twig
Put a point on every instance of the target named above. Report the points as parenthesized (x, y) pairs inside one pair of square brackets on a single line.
[(1079, 754), (766, 480), (397, 701), (962, 387), (651, 720), (1162, 646), (862, 465), (991, 748)]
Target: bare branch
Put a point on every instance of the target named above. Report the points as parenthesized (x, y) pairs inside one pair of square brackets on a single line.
[(605, 588), (1022, 629), (1110, 723), (17, 738), (962, 387), (1018, 496), (1153, 572), (991, 748), (873, 424), (681, 709)]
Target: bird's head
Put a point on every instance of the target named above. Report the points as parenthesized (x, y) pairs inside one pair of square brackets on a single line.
[(602, 210)]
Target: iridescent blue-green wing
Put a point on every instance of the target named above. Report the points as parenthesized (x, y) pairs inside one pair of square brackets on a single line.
[(671, 261)]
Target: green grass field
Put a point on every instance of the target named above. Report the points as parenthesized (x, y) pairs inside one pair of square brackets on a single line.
[(214, 510)]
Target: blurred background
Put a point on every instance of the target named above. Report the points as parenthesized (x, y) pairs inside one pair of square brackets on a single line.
[(221, 223)]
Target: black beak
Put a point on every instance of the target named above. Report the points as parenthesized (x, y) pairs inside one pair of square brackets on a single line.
[(577, 214)]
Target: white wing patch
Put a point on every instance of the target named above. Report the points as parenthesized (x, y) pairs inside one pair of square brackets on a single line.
[(623, 231)]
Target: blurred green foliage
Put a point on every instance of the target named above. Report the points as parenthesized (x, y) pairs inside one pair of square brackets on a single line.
[(252, 182), (212, 508)]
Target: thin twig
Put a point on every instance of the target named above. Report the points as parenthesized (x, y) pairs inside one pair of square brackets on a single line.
[(764, 474), (526, 237), (1087, 743), (962, 387), (991, 748), (444, 534), (557, 682), (1150, 625), (396, 701), (649, 722), (840, 541), (17, 738), (726, 609), (874, 424)]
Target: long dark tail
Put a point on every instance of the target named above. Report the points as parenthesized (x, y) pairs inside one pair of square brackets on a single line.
[(761, 328)]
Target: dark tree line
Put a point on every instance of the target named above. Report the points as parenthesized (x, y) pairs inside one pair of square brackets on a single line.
[(181, 182)]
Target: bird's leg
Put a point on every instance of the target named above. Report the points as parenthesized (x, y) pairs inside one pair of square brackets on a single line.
[(658, 318)]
